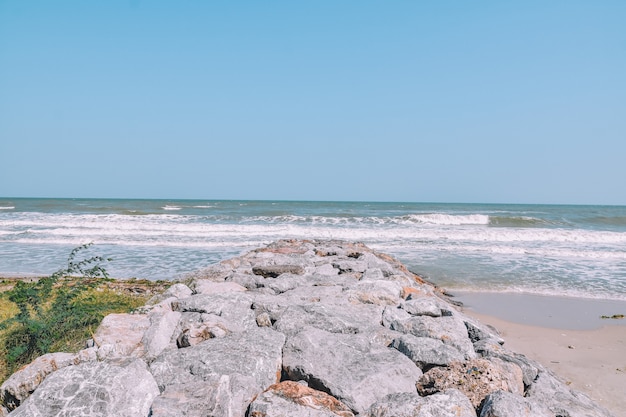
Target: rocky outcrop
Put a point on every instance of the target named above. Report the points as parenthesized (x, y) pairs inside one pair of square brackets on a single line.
[(307, 328)]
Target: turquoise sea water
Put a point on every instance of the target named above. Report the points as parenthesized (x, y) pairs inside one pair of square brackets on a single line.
[(541, 249)]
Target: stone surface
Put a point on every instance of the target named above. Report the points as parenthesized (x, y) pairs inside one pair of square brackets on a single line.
[(121, 335), (231, 369), (426, 352), (23, 382), (349, 367), (506, 404), (116, 388), (449, 403), (476, 378), (449, 329), (550, 391), (290, 398), (206, 286)]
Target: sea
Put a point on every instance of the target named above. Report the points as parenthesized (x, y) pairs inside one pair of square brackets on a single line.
[(565, 250)]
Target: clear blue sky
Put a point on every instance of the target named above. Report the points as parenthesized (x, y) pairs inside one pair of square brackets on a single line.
[(448, 101)]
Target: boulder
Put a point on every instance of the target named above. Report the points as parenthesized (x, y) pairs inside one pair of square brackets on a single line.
[(334, 318), (234, 308), (549, 391), (213, 395), (23, 382), (449, 329), (348, 367), (121, 335), (159, 336), (449, 403), (290, 398), (231, 369), (114, 388), (426, 352), (506, 404), (205, 286), (476, 378)]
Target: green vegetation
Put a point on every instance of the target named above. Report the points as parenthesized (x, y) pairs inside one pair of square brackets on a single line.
[(60, 312), (614, 316)]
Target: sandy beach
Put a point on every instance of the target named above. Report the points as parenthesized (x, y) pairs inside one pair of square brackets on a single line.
[(565, 335)]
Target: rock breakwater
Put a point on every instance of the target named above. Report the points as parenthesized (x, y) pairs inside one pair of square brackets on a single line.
[(307, 328)]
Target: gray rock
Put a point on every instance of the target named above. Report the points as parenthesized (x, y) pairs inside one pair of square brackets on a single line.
[(551, 392), (490, 348), (23, 382), (506, 404), (449, 403), (284, 282), (205, 286), (273, 271), (326, 270), (373, 274), (375, 292), (290, 398), (215, 395), (426, 352), (425, 306), (177, 290), (159, 336), (350, 266), (348, 367), (233, 368), (475, 378), (347, 319), (235, 308), (118, 388), (249, 281), (121, 335), (450, 330), (478, 331), (194, 328)]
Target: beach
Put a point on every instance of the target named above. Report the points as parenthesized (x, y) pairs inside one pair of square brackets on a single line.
[(566, 335)]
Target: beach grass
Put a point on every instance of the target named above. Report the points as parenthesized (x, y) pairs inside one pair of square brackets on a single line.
[(67, 329)]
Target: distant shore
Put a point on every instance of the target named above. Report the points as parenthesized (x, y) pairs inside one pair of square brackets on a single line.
[(566, 335)]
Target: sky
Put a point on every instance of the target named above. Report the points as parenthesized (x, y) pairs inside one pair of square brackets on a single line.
[(424, 101)]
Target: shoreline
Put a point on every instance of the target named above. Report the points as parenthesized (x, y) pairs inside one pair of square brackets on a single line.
[(565, 335)]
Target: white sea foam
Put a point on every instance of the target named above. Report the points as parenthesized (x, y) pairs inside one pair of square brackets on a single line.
[(520, 251), (7, 207), (450, 219)]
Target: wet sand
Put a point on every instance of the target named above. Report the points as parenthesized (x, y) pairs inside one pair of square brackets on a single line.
[(565, 335)]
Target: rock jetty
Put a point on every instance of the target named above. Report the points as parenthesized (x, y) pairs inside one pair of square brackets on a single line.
[(297, 328)]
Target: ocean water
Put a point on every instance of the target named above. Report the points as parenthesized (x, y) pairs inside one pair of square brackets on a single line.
[(577, 251)]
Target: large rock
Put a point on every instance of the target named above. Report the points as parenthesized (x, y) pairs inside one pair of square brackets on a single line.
[(449, 403), (116, 388), (551, 392), (349, 367), (449, 329), (506, 404), (121, 335), (475, 378), (290, 398), (426, 352), (235, 308), (23, 382), (228, 371), (346, 319)]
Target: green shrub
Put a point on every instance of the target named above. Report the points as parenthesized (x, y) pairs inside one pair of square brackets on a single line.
[(59, 312)]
